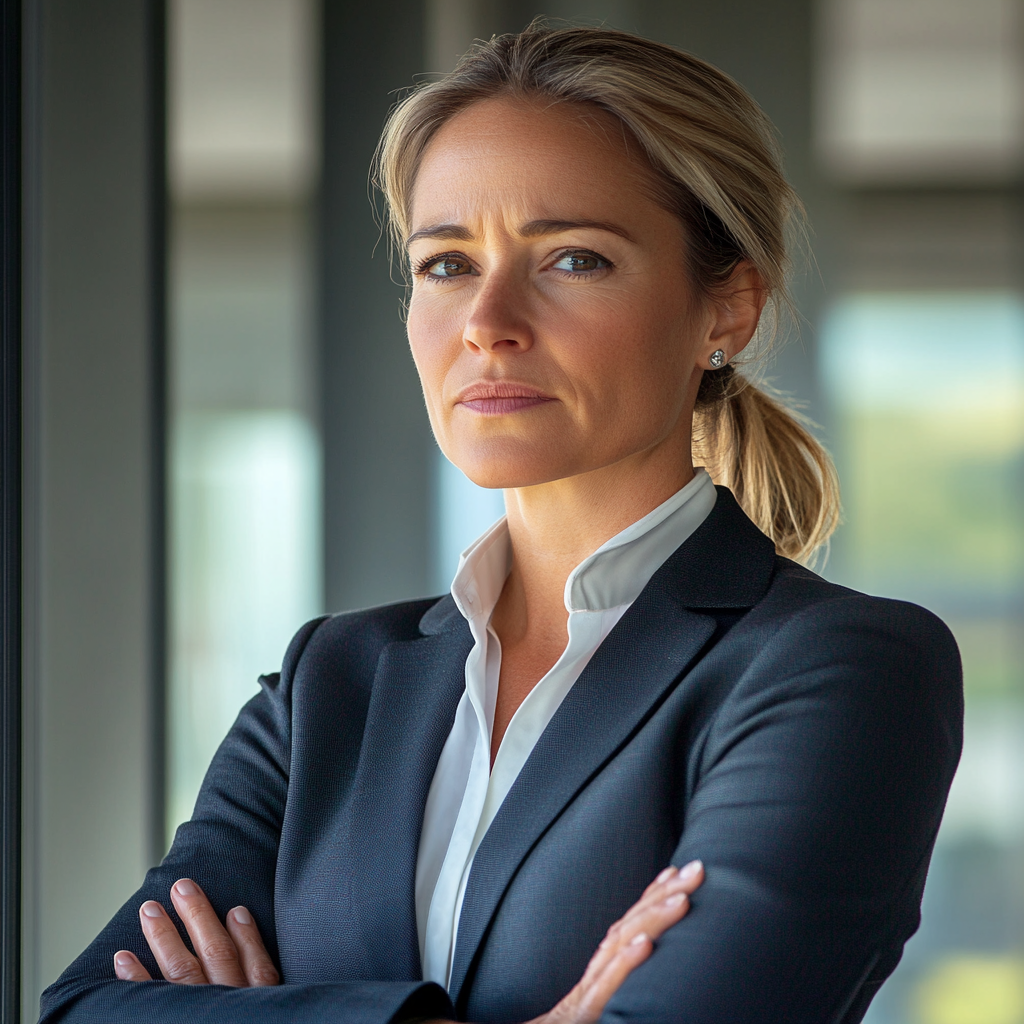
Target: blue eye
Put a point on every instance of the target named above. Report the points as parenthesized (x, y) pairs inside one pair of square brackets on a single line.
[(580, 262)]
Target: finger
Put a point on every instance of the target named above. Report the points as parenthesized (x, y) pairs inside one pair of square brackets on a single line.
[(128, 968), (606, 972), (210, 940), (651, 924), (605, 984), (259, 969), (629, 942), (652, 915), (687, 879), (691, 876), (176, 963), (653, 919), (664, 876)]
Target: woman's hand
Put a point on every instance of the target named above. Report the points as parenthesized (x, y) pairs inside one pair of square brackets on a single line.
[(225, 956), (236, 956), (628, 944)]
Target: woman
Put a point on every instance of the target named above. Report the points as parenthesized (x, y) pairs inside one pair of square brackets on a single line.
[(437, 809)]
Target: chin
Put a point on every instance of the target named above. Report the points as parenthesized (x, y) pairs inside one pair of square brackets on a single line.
[(502, 476), (506, 464)]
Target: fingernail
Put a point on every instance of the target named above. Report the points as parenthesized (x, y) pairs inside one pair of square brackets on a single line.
[(689, 870), (677, 900), (185, 887), (666, 874), (637, 939), (241, 915), (152, 909), (123, 959)]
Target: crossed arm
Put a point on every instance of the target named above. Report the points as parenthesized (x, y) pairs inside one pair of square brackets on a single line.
[(819, 788), (233, 953)]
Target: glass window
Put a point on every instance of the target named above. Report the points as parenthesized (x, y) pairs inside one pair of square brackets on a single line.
[(245, 529), (921, 90), (245, 541), (927, 395)]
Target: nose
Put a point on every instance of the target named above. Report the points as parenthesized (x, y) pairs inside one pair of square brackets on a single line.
[(498, 320)]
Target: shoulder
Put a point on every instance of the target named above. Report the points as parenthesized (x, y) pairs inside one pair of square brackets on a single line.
[(838, 682), (800, 601), (809, 636)]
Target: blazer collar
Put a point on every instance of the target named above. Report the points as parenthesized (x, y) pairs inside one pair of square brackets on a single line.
[(726, 563)]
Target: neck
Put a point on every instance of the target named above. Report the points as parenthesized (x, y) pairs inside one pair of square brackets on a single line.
[(554, 526)]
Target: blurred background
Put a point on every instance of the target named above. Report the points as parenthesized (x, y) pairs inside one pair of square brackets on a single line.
[(226, 435)]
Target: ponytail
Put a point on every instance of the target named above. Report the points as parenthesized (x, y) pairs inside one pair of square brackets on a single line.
[(763, 451)]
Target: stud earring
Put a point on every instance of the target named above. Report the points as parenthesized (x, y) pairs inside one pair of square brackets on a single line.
[(717, 359)]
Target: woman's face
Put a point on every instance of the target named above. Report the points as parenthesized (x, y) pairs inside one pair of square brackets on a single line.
[(551, 320)]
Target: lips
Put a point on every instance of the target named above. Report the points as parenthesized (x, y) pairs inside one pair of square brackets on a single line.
[(500, 398)]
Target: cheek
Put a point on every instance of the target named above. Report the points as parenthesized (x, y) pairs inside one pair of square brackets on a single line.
[(434, 339), (632, 353)]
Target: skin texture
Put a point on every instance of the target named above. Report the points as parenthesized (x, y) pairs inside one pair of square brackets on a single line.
[(560, 346)]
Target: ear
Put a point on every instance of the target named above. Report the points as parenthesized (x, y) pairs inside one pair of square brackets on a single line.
[(735, 311)]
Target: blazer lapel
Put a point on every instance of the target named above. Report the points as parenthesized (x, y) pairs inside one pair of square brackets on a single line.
[(727, 563), (415, 694), (612, 697)]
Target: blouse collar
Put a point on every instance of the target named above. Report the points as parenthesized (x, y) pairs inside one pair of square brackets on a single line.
[(613, 576)]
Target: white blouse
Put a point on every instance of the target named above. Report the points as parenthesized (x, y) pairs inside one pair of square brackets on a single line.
[(466, 792)]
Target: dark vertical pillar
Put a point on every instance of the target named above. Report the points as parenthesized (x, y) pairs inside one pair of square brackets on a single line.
[(92, 443), (377, 445), (155, 140), (10, 510)]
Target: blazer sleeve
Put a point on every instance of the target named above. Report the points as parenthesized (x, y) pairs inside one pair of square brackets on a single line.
[(230, 843), (819, 790)]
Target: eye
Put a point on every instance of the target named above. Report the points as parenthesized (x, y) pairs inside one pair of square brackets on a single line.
[(580, 262), (446, 266)]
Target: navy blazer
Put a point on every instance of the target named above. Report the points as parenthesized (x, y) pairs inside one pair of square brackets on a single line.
[(798, 737)]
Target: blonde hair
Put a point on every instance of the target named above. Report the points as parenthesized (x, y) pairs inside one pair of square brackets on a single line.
[(716, 164)]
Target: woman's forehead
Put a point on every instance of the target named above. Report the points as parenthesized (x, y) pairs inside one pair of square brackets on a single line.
[(530, 160)]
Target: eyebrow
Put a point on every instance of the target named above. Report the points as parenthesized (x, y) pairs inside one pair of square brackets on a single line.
[(534, 229), (455, 232), (554, 227)]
